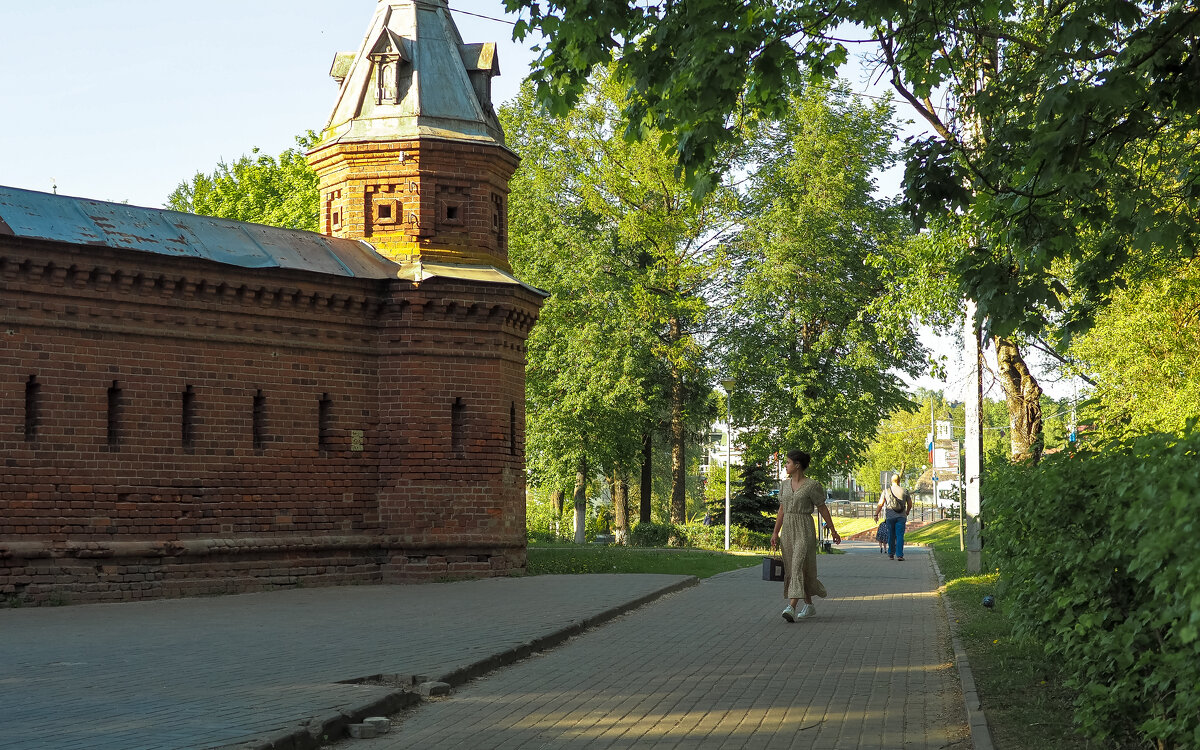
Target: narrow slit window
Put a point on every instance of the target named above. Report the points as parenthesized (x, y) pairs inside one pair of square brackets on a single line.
[(259, 421), (116, 408), (188, 417), (457, 418), (512, 429), (324, 421), (32, 391)]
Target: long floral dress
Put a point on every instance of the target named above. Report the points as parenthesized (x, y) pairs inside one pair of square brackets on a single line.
[(798, 538)]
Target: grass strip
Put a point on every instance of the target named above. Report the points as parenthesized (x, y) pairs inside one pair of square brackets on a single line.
[(571, 559), (1022, 695)]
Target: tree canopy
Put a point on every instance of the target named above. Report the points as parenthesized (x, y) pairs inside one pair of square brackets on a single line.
[(607, 228), (259, 188), (814, 366), (1067, 135)]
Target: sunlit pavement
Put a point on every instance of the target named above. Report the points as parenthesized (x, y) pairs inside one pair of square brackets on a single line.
[(716, 666)]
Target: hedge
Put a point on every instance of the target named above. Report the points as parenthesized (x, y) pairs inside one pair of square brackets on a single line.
[(1099, 552), (696, 535)]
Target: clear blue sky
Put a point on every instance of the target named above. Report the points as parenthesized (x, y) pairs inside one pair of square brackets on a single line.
[(121, 100)]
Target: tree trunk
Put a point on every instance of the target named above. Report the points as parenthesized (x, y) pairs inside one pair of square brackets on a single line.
[(621, 508), (647, 477), (580, 501), (556, 503), (1024, 397), (678, 463)]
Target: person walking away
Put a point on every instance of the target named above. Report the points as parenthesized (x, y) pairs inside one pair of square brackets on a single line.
[(895, 503), (882, 536), (798, 497)]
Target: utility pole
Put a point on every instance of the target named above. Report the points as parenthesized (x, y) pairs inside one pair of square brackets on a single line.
[(972, 443), (932, 461)]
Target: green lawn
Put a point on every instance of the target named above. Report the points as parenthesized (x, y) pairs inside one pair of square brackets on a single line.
[(1021, 693), (571, 558), (848, 527)]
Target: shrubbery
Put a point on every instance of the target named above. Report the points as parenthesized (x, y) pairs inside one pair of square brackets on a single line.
[(1100, 555), (696, 535)]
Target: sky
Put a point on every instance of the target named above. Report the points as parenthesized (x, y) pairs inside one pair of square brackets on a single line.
[(122, 100)]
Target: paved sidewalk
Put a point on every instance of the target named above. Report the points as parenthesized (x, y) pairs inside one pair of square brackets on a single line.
[(715, 666), (710, 665), (254, 668)]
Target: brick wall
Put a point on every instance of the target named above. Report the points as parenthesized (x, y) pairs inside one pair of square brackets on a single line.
[(176, 426), (440, 200)]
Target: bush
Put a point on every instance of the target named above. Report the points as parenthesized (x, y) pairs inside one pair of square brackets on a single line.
[(696, 535), (650, 534), (1100, 554), (713, 537), (540, 520)]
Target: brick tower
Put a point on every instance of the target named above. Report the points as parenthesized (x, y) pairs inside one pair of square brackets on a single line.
[(413, 159), (413, 162)]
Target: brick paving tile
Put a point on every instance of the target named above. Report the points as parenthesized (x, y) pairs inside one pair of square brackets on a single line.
[(715, 666), (202, 673)]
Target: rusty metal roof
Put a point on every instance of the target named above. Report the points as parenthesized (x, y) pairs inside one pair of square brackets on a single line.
[(81, 221)]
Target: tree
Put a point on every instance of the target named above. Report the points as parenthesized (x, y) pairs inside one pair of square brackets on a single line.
[(256, 188), (1142, 357), (751, 504), (899, 446), (606, 228), (1071, 145), (814, 368)]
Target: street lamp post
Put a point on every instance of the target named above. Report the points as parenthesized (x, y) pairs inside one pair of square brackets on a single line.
[(728, 450)]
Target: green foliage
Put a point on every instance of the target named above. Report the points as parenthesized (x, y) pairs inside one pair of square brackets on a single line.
[(1144, 357), (899, 446), (743, 65), (257, 188), (697, 535), (1067, 146), (751, 505), (714, 487), (1027, 705), (541, 522), (650, 534), (608, 230), (1100, 553), (713, 537), (814, 367)]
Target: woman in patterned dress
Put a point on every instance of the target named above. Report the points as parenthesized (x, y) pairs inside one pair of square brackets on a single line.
[(798, 497)]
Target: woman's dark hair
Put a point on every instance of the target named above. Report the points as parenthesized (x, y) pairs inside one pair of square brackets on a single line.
[(800, 458)]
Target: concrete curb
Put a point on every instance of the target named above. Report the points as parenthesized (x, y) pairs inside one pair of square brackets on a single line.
[(981, 734), (334, 726)]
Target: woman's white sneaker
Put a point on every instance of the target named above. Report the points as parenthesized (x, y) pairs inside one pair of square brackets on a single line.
[(789, 614), (807, 610)]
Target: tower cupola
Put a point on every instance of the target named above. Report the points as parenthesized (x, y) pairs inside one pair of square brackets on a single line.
[(413, 159)]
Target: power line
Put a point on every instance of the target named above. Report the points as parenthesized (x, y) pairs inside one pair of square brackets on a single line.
[(488, 18)]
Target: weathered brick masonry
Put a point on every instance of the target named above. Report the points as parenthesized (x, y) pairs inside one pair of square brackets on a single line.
[(103, 499), (193, 406)]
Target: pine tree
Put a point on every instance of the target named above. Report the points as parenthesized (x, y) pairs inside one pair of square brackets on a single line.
[(752, 498)]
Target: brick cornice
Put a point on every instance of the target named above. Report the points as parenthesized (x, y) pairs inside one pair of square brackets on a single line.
[(198, 283)]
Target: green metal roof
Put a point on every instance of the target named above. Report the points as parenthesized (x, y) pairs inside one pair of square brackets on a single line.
[(81, 221)]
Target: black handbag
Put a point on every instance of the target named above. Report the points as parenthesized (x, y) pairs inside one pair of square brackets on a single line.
[(772, 568)]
